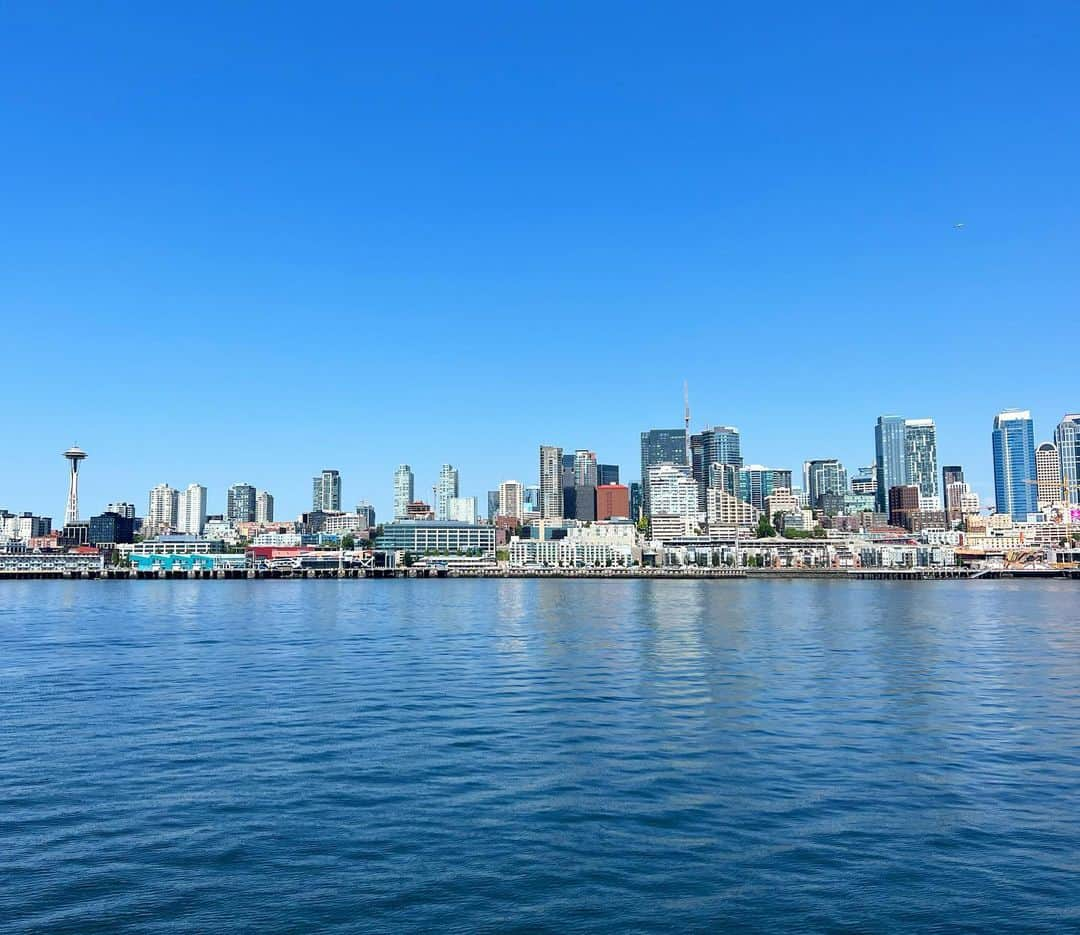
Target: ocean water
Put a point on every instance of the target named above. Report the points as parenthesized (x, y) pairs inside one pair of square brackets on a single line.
[(563, 756)]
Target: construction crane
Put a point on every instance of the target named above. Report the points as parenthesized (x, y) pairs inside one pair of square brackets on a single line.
[(686, 419)]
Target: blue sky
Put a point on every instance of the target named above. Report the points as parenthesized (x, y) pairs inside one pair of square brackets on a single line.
[(250, 241)]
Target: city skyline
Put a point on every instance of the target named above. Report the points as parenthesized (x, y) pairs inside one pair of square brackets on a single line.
[(382, 497)]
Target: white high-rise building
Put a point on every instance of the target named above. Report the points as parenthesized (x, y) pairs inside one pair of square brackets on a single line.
[(920, 446), (191, 510), (326, 491), (264, 507), (963, 501), (445, 491), (512, 499), (969, 502), (584, 468), (1048, 474), (403, 491), (551, 492), (462, 509), (673, 491), (163, 508), (122, 508)]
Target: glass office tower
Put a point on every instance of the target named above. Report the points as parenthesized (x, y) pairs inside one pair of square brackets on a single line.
[(1015, 477)]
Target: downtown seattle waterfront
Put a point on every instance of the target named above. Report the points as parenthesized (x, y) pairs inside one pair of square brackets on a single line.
[(570, 468), (552, 755)]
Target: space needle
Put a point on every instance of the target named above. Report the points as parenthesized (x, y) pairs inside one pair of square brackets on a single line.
[(74, 455)]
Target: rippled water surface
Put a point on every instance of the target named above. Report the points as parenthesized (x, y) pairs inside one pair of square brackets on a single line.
[(568, 756)]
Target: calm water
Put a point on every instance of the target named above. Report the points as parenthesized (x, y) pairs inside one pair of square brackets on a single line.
[(571, 756)]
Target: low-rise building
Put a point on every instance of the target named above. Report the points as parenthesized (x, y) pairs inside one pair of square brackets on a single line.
[(436, 536), (277, 539), (153, 562), (725, 509), (340, 524), (174, 545), (587, 546), (51, 562), (665, 526)]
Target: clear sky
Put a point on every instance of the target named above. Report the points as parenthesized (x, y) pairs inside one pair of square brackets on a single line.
[(251, 241)]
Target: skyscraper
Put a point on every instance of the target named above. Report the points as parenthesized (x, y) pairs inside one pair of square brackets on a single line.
[(74, 456), (905, 453), (403, 490), (607, 474), (920, 448), (122, 508), (366, 512), (962, 501), (445, 491), (1047, 474), (904, 500), (551, 490), (240, 503), (757, 482), (951, 475), (674, 491), (891, 458), (191, 510), (161, 512), (531, 497), (511, 499), (585, 468), (822, 477), (264, 507), (579, 486), (1014, 464), (325, 492), (660, 446), (718, 444), (1067, 439)]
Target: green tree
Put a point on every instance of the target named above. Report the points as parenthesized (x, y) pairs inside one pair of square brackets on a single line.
[(764, 528), (348, 542)]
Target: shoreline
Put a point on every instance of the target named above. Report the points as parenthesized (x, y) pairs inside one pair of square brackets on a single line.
[(607, 574)]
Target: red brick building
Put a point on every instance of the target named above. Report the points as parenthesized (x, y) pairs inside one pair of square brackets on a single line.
[(612, 500)]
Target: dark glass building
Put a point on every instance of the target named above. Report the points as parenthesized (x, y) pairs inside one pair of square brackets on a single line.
[(660, 446), (607, 474), (584, 502), (111, 528), (715, 445)]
